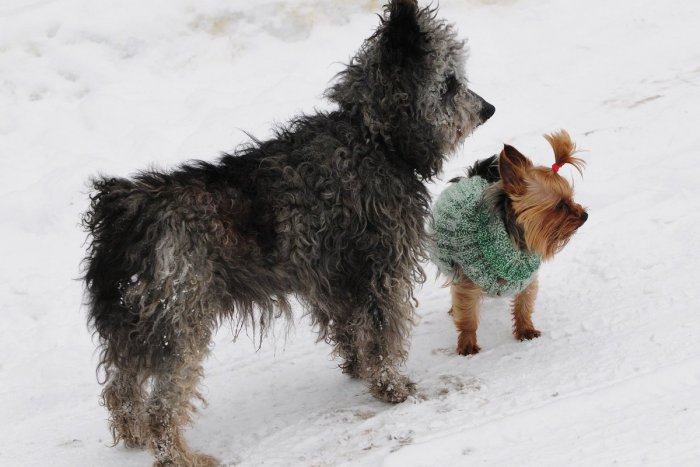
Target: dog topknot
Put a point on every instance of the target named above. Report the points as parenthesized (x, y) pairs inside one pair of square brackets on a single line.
[(564, 150)]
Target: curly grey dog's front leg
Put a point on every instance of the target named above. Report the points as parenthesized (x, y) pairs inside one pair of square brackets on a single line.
[(380, 341), (345, 346)]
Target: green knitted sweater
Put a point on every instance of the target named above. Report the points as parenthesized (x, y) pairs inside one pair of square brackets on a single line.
[(468, 234)]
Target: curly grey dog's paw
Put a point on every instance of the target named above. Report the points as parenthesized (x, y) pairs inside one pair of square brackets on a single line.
[(392, 388)]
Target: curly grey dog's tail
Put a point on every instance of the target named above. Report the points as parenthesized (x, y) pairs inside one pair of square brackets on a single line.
[(116, 247)]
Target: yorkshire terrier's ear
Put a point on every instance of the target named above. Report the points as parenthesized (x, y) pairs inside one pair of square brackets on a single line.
[(402, 35), (512, 166), (564, 150)]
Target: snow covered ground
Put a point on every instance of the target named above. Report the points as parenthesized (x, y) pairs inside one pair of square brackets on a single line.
[(98, 86)]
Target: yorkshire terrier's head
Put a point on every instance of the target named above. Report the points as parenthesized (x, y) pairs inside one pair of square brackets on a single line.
[(538, 201)]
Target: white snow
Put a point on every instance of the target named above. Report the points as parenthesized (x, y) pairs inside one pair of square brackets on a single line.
[(111, 87)]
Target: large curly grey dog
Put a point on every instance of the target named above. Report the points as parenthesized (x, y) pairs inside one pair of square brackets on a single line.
[(332, 211)]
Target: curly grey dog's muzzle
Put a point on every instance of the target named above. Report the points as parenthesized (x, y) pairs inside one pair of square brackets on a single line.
[(487, 110)]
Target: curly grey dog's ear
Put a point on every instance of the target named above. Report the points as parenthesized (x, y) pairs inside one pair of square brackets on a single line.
[(402, 35)]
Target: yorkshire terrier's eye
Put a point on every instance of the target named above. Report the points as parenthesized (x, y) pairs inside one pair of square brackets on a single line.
[(562, 205)]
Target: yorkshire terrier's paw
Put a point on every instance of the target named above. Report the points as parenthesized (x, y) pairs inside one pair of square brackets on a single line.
[(527, 334), (466, 343), (471, 349)]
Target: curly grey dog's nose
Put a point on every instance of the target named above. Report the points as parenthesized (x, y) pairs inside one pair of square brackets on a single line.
[(487, 110)]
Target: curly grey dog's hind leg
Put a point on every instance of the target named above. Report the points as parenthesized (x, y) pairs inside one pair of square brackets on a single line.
[(170, 407), (185, 327), (123, 396)]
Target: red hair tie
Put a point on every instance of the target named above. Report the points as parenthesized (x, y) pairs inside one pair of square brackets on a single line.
[(556, 167)]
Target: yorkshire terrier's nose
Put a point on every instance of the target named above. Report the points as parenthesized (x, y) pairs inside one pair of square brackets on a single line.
[(584, 216)]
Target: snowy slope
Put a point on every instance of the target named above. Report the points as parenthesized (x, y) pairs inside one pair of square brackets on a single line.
[(96, 86)]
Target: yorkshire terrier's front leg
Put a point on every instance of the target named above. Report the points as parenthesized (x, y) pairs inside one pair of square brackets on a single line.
[(466, 298), (523, 306)]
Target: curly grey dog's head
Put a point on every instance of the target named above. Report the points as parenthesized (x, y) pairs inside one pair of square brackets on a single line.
[(408, 85)]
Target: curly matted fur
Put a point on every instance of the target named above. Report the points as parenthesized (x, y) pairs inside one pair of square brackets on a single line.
[(331, 210)]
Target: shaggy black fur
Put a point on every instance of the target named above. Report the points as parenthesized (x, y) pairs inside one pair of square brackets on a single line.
[(331, 210), (487, 169), (496, 196)]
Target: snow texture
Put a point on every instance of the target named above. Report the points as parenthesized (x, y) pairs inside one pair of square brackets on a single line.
[(97, 86)]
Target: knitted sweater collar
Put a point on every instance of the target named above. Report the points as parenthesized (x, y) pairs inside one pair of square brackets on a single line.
[(470, 234), (500, 253)]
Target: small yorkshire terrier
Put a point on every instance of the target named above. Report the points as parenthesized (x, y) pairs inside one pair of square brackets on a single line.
[(494, 227)]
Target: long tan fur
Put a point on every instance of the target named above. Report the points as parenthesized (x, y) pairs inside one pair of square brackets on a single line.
[(564, 150)]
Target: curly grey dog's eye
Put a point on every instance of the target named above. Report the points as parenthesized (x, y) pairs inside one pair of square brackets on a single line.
[(451, 88)]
